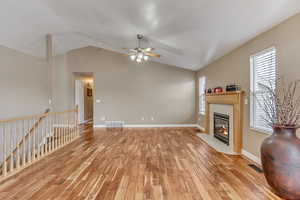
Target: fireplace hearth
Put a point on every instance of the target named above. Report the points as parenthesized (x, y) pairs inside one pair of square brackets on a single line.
[(221, 127)]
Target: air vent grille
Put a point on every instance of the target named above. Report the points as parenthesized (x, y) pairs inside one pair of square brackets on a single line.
[(114, 124)]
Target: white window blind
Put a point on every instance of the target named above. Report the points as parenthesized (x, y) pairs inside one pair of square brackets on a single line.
[(202, 83), (263, 70)]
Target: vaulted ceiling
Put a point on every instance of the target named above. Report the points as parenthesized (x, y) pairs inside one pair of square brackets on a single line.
[(188, 34)]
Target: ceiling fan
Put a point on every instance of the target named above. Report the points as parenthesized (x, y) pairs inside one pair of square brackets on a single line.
[(140, 54)]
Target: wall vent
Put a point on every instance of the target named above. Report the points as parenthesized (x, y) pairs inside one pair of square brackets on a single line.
[(256, 168)]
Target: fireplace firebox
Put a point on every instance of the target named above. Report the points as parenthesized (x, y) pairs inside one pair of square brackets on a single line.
[(221, 127)]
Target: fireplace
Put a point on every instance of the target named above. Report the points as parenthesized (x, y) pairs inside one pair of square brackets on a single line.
[(221, 127)]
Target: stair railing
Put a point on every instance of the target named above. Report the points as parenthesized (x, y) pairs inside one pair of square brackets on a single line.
[(26, 140)]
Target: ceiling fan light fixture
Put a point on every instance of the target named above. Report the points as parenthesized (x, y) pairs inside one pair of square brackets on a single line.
[(133, 57), (146, 58), (140, 55)]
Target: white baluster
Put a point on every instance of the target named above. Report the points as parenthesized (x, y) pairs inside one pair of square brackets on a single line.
[(17, 145), (56, 132), (35, 122), (52, 132), (28, 141), (38, 139), (24, 143), (4, 151), (73, 127), (11, 147), (64, 129), (43, 137), (47, 133), (68, 127)]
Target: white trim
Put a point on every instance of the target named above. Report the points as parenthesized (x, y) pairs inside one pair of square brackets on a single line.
[(158, 125), (99, 126), (264, 131), (264, 51), (251, 156), (253, 106), (153, 125), (201, 95), (200, 127)]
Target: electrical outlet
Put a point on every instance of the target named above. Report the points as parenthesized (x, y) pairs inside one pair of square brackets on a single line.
[(143, 118), (152, 118), (98, 101), (103, 118)]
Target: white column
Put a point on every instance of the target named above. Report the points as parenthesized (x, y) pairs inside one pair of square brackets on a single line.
[(50, 60)]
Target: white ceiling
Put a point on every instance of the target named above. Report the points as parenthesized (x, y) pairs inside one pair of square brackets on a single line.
[(188, 33)]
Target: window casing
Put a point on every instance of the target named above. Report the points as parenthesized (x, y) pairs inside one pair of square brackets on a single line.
[(202, 85), (263, 70)]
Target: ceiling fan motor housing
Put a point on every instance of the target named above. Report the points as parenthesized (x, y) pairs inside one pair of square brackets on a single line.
[(140, 36)]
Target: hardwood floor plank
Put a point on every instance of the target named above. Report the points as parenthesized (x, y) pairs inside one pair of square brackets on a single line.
[(138, 164)]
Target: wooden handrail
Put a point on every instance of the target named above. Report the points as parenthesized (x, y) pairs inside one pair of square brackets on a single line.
[(36, 116)]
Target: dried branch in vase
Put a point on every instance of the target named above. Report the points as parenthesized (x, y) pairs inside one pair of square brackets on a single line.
[(280, 103)]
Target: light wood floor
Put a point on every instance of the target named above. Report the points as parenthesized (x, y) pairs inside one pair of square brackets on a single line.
[(160, 163)]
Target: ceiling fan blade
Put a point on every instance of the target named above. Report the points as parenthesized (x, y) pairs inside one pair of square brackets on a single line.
[(148, 49), (161, 45), (153, 54), (130, 50)]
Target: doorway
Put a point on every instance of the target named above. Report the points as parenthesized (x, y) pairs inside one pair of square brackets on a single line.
[(84, 97)]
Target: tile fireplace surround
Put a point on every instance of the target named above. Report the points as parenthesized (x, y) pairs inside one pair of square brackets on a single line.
[(229, 103)]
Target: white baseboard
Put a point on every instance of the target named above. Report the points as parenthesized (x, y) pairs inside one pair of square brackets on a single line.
[(251, 156), (153, 125), (158, 125), (99, 126)]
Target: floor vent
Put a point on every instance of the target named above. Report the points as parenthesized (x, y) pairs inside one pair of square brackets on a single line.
[(114, 124), (256, 168)]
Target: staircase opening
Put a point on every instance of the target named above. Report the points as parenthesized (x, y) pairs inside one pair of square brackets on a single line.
[(25, 140)]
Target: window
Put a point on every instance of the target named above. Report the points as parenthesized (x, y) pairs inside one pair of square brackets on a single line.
[(263, 70), (202, 82)]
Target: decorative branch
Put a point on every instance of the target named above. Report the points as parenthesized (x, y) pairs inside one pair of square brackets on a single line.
[(279, 103)]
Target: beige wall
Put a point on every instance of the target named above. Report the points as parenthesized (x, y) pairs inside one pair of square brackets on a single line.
[(235, 68), (23, 84), (63, 85), (130, 91)]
